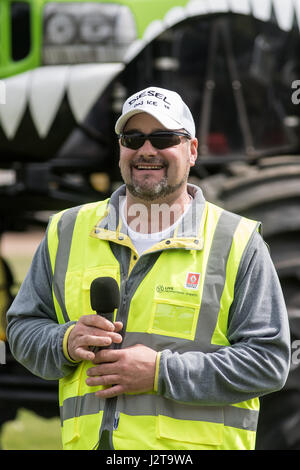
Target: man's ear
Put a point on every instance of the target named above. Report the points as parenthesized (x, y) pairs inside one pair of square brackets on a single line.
[(193, 151)]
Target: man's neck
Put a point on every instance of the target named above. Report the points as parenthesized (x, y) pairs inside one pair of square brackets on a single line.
[(154, 216)]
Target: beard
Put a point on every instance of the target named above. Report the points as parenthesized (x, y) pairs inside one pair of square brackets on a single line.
[(153, 192), (147, 189)]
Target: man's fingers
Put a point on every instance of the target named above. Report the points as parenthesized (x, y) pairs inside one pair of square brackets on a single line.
[(90, 325), (105, 380), (96, 341), (97, 321), (110, 392), (103, 369), (105, 339), (109, 355), (118, 326), (84, 355), (92, 331), (101, 338)]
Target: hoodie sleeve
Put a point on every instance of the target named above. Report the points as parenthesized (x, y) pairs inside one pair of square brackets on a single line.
[(34, 335), (257, 360)]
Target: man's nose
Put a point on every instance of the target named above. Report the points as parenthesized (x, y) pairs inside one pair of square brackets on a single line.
[(147, 149)]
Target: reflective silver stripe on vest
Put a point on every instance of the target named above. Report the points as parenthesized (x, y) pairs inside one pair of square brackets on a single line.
[(140, 405), (82, 405), (65, 226), (215, 278)]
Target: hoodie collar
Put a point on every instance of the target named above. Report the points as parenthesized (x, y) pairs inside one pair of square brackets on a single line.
[(188, 234)]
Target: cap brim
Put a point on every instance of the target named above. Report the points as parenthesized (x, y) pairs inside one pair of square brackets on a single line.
[(166, 121)]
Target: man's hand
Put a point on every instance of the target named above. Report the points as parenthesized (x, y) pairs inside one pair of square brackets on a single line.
[(123, 370), (92, 330)]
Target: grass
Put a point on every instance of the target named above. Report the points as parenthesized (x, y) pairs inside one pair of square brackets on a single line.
[(31, 432)]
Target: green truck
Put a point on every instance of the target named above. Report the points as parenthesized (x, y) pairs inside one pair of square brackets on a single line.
[(66, 67)]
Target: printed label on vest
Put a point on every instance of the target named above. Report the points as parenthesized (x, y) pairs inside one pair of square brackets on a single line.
[(192, 280)]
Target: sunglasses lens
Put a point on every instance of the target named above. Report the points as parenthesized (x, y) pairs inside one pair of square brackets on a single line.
[(132, 141), (164, 141)]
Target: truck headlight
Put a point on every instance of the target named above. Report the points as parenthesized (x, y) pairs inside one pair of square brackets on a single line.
[(61, 29), (86, 32)]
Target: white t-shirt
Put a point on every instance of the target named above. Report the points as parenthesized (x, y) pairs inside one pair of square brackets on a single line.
[(144, 241)]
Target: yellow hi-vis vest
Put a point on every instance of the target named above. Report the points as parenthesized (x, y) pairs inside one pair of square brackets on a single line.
[(180, 302)]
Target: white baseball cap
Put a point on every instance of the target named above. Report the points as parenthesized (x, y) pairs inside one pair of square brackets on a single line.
[(164, 105)]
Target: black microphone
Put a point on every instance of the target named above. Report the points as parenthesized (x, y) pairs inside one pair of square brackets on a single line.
[(105, 296)]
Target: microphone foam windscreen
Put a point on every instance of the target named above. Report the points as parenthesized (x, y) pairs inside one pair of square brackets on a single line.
[(105, 294)]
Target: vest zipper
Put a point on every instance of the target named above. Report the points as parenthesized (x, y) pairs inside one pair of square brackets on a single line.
[(110, 416), (110, 419)]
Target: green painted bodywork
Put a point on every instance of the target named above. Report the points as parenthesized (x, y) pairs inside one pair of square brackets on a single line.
[(144, 11)]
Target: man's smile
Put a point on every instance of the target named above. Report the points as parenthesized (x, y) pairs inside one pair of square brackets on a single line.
[(151, 168), (143, 164), (148, 167)]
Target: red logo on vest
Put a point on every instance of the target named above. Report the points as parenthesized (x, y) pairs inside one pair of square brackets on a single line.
[(192, 280)]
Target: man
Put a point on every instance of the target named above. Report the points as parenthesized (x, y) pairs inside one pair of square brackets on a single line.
[(202, 329)]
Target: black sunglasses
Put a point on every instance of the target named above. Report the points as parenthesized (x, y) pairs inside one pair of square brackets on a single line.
[(160, 140)]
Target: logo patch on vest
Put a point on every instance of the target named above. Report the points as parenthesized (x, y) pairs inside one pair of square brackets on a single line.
[(192, 280)]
